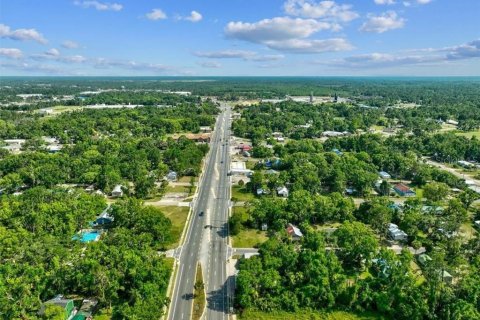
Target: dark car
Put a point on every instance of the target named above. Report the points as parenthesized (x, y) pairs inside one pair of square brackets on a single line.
[(201, 214)]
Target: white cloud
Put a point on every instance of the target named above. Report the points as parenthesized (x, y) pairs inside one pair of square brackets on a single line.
[(382, 2), (328, 10), (384, 22), (194, 16), (413, 2), (311, 46), (156, 14), (276, 29), (226, 54), (69, 44), (210, 64), (100, 6), (239, 54), (470, 50), (12, 53), (52, 52), (21, 34)]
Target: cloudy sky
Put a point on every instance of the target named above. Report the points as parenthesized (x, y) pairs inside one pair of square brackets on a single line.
[(240, 37)]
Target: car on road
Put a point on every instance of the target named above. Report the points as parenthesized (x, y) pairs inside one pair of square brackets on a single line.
[(201, 214)]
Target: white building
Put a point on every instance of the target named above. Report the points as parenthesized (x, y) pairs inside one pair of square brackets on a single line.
[(117, 191)]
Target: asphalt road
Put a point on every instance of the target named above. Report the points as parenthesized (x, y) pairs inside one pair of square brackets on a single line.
[(206, 237)]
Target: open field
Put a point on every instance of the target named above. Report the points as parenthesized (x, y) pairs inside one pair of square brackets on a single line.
[(469, 134), (241, 194), (307, 315), (249, 238), (178, 216)]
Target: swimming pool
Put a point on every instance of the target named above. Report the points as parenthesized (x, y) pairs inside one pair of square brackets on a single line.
[(87, 236)]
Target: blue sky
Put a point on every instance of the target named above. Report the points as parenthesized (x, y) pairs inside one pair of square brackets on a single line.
[(240, 37)]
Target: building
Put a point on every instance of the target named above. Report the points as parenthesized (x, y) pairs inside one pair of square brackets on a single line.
[(294, 233), (261, 192), (423, 259), (466, 164), (66, 304), (248, 255), (282, 192), (337, 152), (205, 129), (395, 233), (86, 310), (117, 191), (264, 227), (172, 176), (333, 134), (403, 190), (245, 147), (104, 218), (452, 122), (350, 191), (196, 137), (384, 175)]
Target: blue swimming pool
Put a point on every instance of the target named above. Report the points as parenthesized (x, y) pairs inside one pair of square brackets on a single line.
[(87, 236)]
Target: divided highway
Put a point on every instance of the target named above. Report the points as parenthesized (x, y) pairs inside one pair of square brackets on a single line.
[(207, 233)]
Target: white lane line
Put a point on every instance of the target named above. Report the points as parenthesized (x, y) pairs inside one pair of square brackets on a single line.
[(176, 296)]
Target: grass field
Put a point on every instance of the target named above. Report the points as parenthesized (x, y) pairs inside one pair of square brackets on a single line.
[(241, 194), (180, 189), (249, 238), (308, 315), (469, 134), (178, 216)]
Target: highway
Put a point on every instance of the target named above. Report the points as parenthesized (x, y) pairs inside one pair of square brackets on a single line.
[(207, 233)]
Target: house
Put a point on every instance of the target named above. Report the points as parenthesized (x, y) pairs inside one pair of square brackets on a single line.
[(271, 171), (294, 233), (66, 304), (337, 152), (280, 139), (117, 191), (452, 122), (395, 233), (54, 148), (90, 188), (264, 227), (350, 191), (245, 147), (423, 259), (282, 192), (384, 175), (205, 129), (261, 192), (86, 310), (466, 164), (403, 190), (104, 218), (447, 277), (172, 176)]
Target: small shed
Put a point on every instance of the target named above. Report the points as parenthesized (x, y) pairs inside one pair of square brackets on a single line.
[(117, 191), (282, 192), (384, 175), (294, 233), (172, 176)]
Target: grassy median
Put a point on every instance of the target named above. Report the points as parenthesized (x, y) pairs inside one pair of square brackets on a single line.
[(199, 299)]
